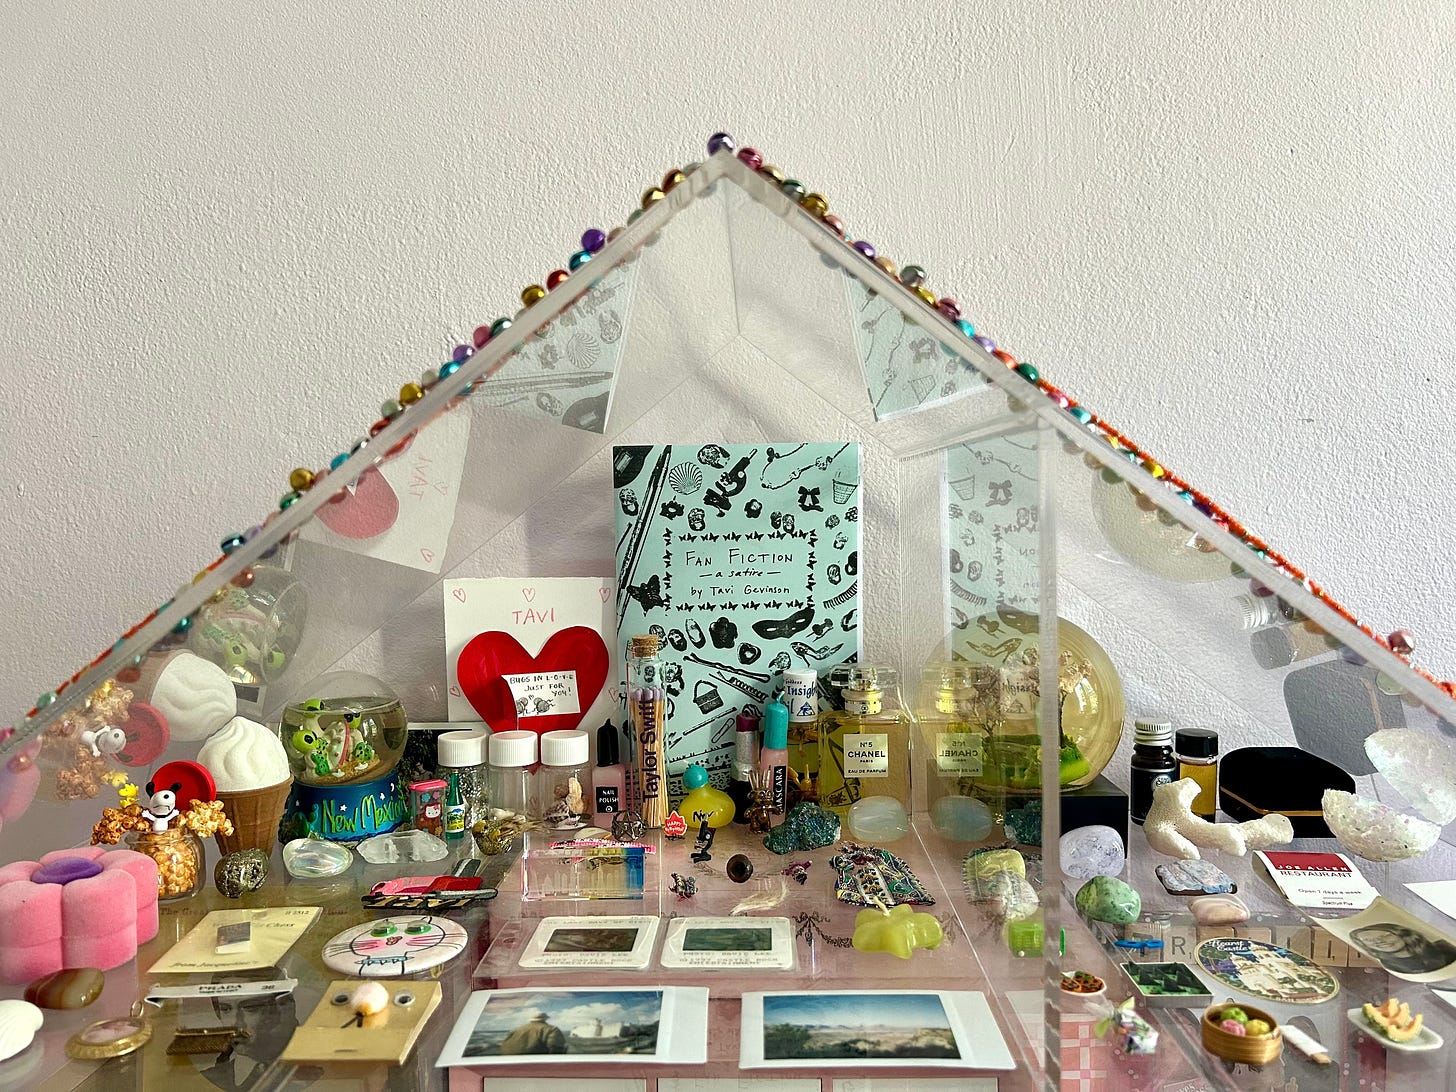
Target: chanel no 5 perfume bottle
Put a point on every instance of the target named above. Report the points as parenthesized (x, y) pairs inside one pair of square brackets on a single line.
[(865, 747)]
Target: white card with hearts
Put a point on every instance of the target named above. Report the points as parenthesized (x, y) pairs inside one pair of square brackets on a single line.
[(402, 510), (532, 611)]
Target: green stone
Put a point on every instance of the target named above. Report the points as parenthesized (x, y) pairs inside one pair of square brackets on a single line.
[(1106, 898), (1023, 825), (241, 872), (807, 826)]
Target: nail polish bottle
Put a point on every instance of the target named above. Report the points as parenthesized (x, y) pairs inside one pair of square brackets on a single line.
[(609, 780)]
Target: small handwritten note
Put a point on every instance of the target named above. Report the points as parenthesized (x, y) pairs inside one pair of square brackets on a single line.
[(540, 693)]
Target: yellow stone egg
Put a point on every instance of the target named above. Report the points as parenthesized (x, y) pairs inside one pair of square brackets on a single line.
[(651, 197), (411, 393), (815, 204), (301, 478), (926, 294), (532, 293)]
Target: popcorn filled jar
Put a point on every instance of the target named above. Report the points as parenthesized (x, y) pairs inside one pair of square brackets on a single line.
[(180, 857)]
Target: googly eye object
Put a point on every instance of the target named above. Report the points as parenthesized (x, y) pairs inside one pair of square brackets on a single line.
[(394, 947)]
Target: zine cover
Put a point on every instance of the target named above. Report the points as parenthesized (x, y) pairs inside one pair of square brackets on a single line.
[(745, 560)]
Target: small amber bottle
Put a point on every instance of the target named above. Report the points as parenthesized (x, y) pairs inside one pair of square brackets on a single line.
[(1197, 750)]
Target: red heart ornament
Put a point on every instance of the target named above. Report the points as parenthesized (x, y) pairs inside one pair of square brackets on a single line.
[(488, 656)]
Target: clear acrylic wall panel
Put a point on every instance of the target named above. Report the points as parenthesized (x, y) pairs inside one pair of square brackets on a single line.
[(1205, 634)]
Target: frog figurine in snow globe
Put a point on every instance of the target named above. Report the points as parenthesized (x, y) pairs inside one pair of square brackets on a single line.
[(252, 627), (344, 739)]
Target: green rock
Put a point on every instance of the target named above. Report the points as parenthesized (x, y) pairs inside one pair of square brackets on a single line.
[(1023, 825), (1106, 898), (807, 826), (241, 872)]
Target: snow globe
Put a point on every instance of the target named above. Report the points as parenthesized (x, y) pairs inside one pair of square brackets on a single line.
[(1003, 674), (253, 626), (344, 737)]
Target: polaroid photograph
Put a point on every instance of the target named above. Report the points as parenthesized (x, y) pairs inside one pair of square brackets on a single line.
[(729, 943), (1400, 942), (665, 1025), (867, 1028), (1167, 983), (623, 942), (737, 1084)]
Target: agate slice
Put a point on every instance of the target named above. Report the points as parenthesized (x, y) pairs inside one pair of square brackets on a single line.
[(1420, 766), (1370, 829)]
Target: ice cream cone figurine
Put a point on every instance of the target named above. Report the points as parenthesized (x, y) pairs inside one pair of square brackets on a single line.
[(250, 768)]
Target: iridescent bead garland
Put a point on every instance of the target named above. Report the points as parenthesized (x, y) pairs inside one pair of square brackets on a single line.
[(911, 277)]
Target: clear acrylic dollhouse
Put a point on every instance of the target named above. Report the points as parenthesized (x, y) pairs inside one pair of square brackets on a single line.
[(994, 516)]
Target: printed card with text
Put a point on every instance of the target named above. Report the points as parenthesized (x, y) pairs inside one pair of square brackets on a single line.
[(528, 653), (991, 511), (746, 560), (565, 375), (402, 510), (906, 367)]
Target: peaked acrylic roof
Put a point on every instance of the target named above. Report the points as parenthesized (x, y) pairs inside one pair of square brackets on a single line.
[(492, 344)]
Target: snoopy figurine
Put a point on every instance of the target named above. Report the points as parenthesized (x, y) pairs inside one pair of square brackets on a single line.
[(161, 809), (104, 741)]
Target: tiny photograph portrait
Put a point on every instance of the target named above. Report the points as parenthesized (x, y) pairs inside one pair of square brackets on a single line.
[(856, 1029), (592, 940), (1400, 942), (856, 1025), (728, 940), (729, 943)]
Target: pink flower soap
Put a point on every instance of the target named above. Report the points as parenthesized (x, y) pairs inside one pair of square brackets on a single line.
[(88, 907)]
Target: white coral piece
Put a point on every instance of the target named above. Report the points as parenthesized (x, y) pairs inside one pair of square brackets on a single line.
[(1173, 829), (1268, 830)]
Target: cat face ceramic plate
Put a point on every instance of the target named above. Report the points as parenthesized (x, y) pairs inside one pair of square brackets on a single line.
[(394, 947)]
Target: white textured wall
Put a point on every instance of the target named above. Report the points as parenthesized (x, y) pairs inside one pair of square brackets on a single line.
[(225, 237)]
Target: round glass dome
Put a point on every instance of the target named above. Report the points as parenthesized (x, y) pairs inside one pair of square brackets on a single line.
[(348, 727), (252, 630), (1006, 678), (1151, 539)]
